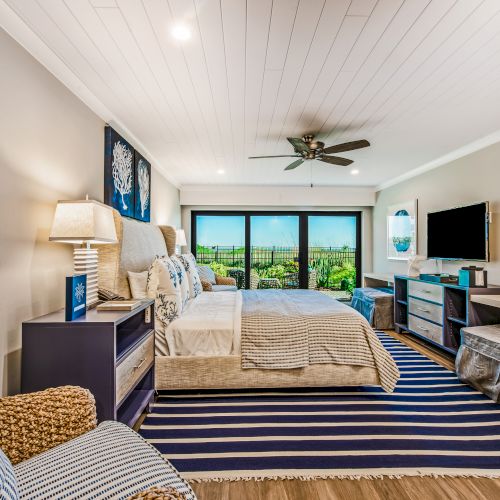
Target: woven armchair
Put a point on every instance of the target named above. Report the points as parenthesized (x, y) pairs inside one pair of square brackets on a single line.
[(58, 450), (225, 280), (219, 280), (36, 422)]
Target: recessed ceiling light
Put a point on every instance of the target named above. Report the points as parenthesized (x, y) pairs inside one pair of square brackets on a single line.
[(181, 32), (354, 171), (221, 171)]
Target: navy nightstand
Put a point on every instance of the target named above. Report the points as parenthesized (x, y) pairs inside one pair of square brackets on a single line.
[(111, 353)]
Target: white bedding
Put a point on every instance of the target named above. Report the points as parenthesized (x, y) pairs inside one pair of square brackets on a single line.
[(209, 326)]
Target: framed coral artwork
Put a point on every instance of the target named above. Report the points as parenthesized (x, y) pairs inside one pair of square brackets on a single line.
[(142, 183), (402, 230), (118, 173)]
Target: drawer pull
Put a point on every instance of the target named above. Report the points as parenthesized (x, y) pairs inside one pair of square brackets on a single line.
[(136, 367), (423, 329), (426, 291)]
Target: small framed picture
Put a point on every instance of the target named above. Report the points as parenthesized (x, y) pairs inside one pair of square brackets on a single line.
[(402, 230)]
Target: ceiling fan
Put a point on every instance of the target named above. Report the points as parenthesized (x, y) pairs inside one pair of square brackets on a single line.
[(308, 148)]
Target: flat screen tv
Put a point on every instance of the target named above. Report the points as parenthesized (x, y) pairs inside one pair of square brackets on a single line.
[(459, 233)]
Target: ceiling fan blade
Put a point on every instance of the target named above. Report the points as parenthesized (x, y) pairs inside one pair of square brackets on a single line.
[(346, 146), (298, 144), (276, 156), (336, 160), (295, 164)]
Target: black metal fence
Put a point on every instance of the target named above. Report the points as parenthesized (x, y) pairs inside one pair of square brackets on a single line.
[(324, 260)]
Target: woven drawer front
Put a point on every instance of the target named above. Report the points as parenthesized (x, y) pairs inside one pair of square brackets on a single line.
[(134, 366), (427, 291), (433, 312), (425, 328)]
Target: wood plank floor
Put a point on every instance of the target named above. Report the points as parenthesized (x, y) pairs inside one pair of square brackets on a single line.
[(407, 488)]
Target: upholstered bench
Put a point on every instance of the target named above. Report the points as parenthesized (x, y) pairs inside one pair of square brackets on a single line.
[(478, 359), (376, 305)]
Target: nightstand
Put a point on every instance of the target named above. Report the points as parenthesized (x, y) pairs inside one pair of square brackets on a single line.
[(111, 353)]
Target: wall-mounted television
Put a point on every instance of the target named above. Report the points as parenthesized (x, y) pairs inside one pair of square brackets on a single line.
[(460, 233)]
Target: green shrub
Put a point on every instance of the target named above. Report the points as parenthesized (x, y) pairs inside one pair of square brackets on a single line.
[(277, 271), (218, 268)]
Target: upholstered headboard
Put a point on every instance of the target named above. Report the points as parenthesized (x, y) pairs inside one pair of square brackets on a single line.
[(138, 244)]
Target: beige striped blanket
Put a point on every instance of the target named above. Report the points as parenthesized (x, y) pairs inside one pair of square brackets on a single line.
[(282, 329)]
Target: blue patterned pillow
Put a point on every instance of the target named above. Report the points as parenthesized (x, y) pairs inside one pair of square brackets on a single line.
[(189, 263), (8, 484)]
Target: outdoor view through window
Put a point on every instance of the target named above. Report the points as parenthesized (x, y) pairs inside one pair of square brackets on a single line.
[(274, 250)]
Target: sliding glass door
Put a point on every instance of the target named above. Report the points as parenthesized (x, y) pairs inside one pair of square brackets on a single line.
[(220, 244), (274, 251), (316, 250), (332, 253)]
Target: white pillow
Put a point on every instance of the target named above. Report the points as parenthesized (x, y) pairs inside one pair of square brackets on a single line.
[(189, 262), (183, 279), (138, 284)]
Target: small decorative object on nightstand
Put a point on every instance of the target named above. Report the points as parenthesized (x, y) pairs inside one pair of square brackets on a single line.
[(76, 293), (111, 353), (84, 222)]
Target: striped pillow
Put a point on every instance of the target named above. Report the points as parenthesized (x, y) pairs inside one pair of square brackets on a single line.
[(8, 484), (207, 274), (111, 461)]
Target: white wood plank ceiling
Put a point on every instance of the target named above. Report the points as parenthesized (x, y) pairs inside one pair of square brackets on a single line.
[(417, 78)]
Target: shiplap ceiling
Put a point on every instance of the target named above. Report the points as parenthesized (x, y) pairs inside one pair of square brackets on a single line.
[(417, 78)]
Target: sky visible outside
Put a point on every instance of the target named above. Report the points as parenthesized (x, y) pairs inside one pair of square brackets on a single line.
[(275, 230)]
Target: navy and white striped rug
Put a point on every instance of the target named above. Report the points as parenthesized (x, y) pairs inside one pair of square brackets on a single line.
[(431, 425)]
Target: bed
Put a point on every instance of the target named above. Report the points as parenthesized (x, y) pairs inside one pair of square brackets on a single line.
[(242, 340)]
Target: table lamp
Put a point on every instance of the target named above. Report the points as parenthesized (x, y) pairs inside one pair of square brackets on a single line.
[(84, 222), (180, 239)]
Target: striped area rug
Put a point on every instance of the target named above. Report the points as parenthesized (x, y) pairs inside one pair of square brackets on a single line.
[(431, 425)]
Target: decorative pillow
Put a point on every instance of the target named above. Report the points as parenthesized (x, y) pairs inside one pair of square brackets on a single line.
[(189, 262), (168, 306), (207, 286), (163, 285), (162, 275), (138, 284), (8, 484), (182, 277), (206, 274)]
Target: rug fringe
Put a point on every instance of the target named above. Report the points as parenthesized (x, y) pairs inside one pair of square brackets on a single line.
[(352, 477)]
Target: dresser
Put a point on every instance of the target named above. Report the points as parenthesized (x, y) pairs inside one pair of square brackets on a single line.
[(111, 353), (437, 312)]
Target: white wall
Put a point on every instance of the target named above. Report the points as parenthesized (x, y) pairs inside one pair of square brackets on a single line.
[(51, 147), (467, 180), (366, 223), (278, 196)]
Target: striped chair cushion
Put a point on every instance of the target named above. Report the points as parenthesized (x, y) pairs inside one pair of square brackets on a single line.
[(112, 461), (8, 486)]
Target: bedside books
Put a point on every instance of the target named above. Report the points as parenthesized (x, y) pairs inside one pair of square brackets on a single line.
[(76, 296), (119, 305)]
